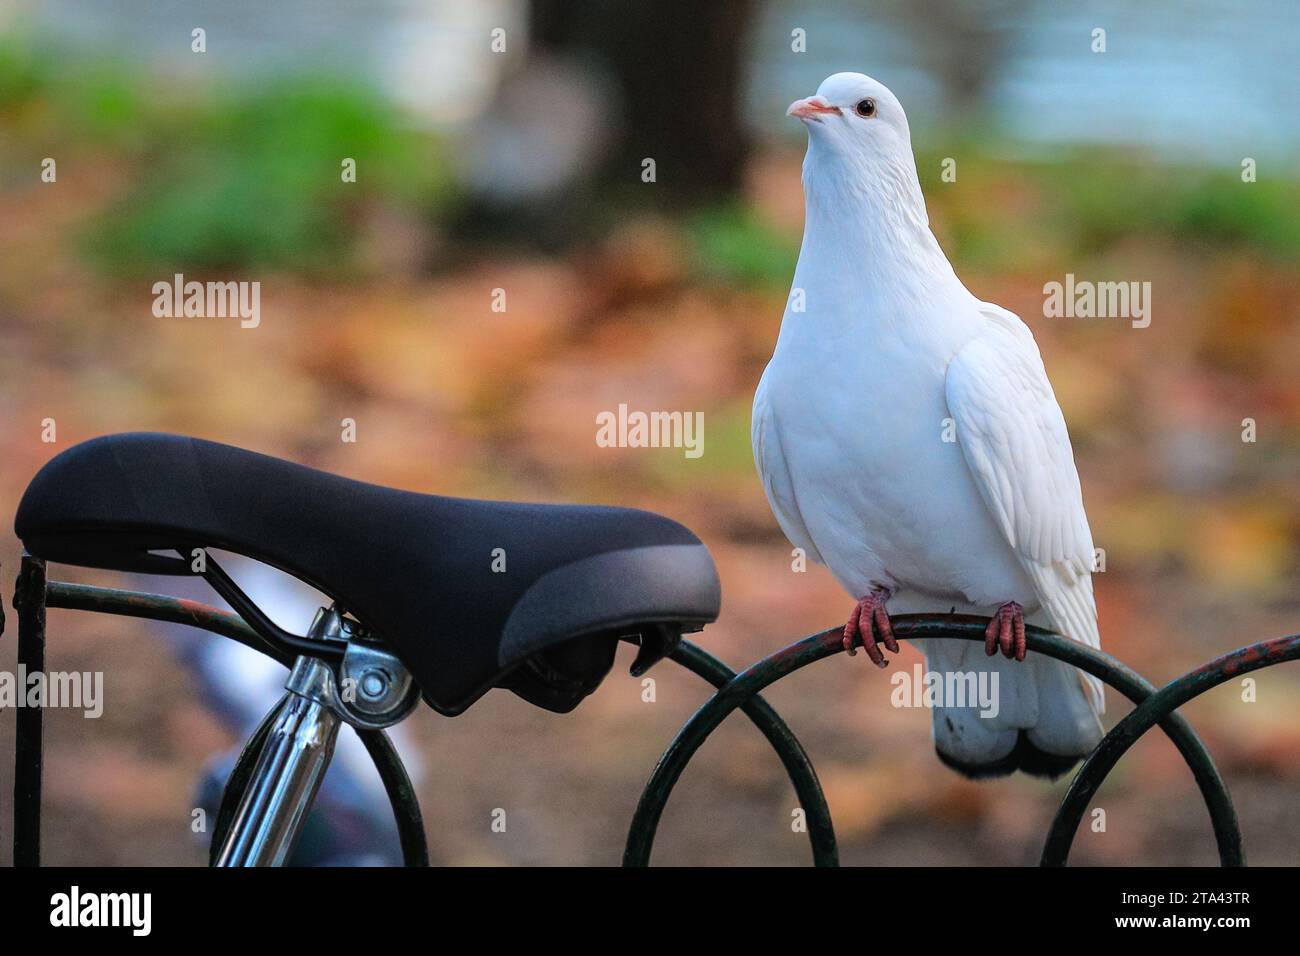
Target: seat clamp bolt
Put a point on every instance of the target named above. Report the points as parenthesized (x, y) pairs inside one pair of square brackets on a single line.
[(374, 684)]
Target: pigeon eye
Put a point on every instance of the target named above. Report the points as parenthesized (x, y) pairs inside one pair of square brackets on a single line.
[(866, 107)]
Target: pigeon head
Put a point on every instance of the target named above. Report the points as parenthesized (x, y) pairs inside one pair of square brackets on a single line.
[(853, 113), (859, 147)]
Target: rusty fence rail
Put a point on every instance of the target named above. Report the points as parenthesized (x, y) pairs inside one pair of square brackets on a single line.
[(732, 691)]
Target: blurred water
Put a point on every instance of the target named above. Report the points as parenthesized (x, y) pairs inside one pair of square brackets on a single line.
[(1196, 80)]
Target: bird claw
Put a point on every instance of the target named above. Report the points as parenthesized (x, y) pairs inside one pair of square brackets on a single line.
[(870, 620), (1006, 630)]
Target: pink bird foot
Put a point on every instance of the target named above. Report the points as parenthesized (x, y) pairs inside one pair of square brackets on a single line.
[(1006, 630), (868, 622)]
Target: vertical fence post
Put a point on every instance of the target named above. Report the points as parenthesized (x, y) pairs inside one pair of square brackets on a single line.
[(29, 602)]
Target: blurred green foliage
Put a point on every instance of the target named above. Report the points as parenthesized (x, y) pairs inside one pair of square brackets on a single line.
[(254, 179), (22, 77), (1083, 201), (731, 244), (239, 177), (247, 177), (1024, 214), (1105, 200)]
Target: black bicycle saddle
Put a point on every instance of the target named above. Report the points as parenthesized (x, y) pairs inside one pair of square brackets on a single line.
[(469, 594)]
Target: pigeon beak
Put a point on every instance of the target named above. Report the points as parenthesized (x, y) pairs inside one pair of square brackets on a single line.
[(811, 108)]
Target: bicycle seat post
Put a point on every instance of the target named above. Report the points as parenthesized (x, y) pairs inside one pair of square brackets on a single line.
[(288, 772), (297, 751)]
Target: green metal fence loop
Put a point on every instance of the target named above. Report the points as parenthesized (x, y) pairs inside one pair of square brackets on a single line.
[(821, 831), (1157, 708), (749, 682)]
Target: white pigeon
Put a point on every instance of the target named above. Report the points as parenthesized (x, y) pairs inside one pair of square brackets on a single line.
[(908, 438)]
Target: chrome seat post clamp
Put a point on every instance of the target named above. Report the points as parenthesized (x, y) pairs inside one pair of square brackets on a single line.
[(371, 689)]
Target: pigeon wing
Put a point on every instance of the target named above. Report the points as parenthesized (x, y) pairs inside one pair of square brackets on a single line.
[(769, 457), (1014, 440)]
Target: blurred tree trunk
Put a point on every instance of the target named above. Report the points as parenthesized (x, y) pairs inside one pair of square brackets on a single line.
[(963, 43), (676, 68)]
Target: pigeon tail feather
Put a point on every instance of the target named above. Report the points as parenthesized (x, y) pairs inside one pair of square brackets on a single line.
[(1045, 721)]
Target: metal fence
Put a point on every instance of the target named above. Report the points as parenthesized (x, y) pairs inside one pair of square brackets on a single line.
[(733, 691)]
